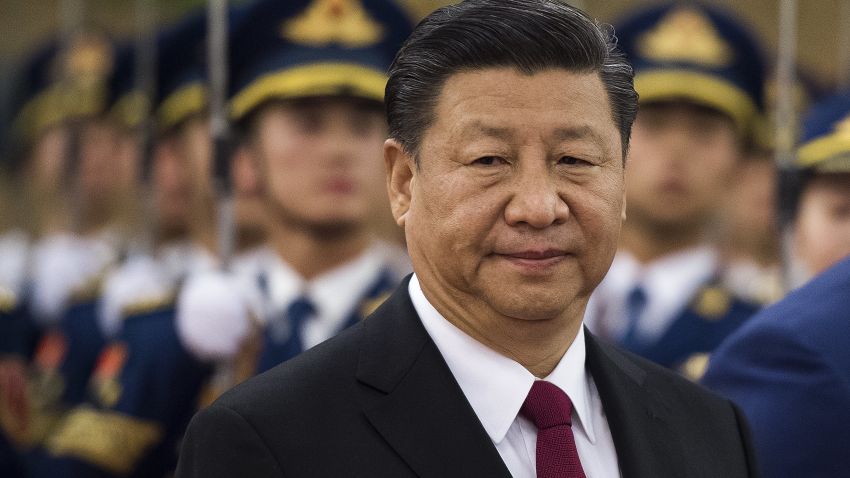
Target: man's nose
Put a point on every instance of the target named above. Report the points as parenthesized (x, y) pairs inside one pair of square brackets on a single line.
[(535, 199), (679, 144)]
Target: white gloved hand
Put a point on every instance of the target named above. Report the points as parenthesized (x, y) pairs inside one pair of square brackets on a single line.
[(214, 311)]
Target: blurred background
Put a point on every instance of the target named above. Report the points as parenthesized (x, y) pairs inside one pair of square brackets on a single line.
[(110, 207), (824, 44)]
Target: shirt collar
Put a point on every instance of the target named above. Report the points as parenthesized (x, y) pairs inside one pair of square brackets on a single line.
[(681, 272), (669, 281), (334, 293), (495, 385), (182, 258), (337, 292)]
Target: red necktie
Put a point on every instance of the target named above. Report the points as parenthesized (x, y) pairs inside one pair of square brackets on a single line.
[(549, 408)]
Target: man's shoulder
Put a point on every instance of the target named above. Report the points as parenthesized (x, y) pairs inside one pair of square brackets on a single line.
[(314, 375), (813, 318), (661, 381), (652, 407)]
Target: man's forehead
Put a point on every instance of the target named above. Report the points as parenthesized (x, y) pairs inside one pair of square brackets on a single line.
[(566, 130), (494, 101), (501, 80)]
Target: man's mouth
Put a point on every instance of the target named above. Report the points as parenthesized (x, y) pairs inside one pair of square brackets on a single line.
[(533, 254), (534, 261)]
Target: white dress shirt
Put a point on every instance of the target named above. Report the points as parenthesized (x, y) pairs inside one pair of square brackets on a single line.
[(670, 284), (334, 294), (496, 387)]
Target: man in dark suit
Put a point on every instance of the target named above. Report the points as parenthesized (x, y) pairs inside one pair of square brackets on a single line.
[(509, 123)]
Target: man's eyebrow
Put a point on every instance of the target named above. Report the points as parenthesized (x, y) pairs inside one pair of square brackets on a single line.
[(479, 127), (568, 133), (577, 132)]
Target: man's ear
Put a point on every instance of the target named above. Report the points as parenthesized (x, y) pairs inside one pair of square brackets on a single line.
[(399, 165)]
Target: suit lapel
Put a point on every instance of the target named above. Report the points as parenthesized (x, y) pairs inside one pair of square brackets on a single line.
[(646, 444), (420, 409)]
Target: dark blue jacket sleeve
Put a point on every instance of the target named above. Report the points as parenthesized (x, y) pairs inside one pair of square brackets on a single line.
[(796, 402)]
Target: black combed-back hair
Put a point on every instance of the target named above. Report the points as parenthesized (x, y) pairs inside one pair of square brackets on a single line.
[(528, 35)]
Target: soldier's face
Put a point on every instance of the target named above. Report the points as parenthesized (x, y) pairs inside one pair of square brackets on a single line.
[(100, 171), (749, 209), (172, 189), (822, 227), (681, 161), (515, 208), (48, 161), (317, 158)]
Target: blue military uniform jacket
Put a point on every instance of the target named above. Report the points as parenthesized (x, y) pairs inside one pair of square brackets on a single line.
[(64, 358), (712, 315), (17, 338), (274, 351), (674, 311), (140, 397), (18, 332), (789, 371)]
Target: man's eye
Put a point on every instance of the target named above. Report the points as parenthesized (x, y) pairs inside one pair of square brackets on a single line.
[(489, 161), (573, 161)]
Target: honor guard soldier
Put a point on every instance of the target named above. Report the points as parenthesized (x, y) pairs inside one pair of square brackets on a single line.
[(33, 131), (146, 383), (699, 77), (307, 84), (820, 187), (788, 369), (16, 329), (750, 237), (73, 178)]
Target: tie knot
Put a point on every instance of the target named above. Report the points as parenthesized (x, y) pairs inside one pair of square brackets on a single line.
[(299, 310), (637, 297), (547, 406)]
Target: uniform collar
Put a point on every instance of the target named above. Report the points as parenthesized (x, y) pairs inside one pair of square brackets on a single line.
[(183, 258), (670, 283), (335, 293)]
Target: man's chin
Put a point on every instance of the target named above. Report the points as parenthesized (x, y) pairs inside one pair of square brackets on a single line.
[(324, 222), (665, 217), (530, 301), (324, 227)]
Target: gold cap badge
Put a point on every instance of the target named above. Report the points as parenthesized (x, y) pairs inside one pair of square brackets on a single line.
[(324, 22), (87, 60), (686, 35)]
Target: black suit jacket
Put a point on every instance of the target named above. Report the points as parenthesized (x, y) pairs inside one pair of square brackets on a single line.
[(380, 401)]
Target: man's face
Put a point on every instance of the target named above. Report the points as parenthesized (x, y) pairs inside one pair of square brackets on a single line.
[(681, 160), (251, 217), (515, 208), (48, 162), (317, 158), (822, 227)]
